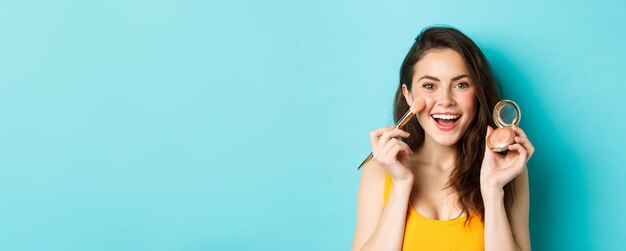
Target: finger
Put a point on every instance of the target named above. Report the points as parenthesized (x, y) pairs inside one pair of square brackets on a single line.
[(519, 131), (405, 148), (389, 134), (408, 151), (522, 134), (523, 154), (394, 147), (374, 135), (513, 172), (526, 144), (392, 153), (518, 167), (387, 147), (400, 148), (395, 150), (375, 141), (489, 131)]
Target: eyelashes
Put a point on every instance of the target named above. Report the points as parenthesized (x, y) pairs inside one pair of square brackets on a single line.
[(432, 86), (428, 86)]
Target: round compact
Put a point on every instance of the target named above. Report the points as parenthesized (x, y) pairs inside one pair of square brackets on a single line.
[(506, 114)]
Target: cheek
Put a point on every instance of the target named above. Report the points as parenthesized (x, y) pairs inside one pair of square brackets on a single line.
[(469, 108), (468, 101), (423, 116), (429, 98)]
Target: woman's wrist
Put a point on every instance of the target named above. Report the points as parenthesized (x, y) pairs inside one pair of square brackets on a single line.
[(492, 194), (403, 177), (405, 184)]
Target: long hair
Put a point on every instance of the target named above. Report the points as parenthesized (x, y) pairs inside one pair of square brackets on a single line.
[(470, 149)]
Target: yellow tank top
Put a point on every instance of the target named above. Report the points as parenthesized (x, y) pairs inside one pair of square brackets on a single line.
[(422, 233)]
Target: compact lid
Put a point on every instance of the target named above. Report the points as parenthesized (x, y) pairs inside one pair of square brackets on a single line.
[(506, 113)]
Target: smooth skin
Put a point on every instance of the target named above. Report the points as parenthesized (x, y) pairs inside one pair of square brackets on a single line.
[(419, 178)]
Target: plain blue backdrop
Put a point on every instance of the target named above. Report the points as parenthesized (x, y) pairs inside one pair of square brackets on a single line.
[(238, 125)]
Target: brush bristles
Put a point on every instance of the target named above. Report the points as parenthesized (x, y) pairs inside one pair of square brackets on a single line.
[(418, 104)]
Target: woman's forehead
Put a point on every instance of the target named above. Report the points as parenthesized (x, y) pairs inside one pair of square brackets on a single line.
[(443, 64)]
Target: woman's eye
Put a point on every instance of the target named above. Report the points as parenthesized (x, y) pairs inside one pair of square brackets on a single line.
[(462, 85), (428, 86)]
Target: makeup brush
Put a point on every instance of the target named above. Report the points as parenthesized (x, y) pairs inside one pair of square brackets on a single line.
[(418, 105)]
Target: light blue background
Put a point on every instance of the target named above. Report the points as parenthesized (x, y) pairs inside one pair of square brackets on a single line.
[(238, 125)]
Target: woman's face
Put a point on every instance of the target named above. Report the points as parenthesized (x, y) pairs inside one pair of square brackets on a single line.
[(442, 78)]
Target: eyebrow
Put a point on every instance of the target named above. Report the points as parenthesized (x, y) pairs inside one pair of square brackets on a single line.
[(436, 79)]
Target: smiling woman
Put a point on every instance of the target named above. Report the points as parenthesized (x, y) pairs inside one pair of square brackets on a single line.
[(433, 185), (441, 74)]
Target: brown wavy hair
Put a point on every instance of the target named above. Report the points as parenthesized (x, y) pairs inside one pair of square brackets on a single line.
[(470, 149)]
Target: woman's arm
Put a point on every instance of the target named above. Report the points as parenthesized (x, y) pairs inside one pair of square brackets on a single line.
[(380, 227), (502, 231), (499, 234)]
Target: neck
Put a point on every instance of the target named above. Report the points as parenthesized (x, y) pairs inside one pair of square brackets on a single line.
[(436, 155)]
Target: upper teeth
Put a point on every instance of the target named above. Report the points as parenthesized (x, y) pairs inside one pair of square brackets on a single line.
[(446, 116)]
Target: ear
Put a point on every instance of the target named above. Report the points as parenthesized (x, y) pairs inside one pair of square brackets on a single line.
[(407, 94)]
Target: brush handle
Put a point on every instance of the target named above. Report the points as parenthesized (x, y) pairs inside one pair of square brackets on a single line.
[(401, 123), (405, 119), (366, 160)]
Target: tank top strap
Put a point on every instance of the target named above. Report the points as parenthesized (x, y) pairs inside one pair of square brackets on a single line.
[(388, 184)]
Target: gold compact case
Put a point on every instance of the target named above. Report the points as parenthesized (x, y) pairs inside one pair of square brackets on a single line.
[(506, 114)]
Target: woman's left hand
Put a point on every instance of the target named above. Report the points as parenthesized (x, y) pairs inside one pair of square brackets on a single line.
[(497, 171)]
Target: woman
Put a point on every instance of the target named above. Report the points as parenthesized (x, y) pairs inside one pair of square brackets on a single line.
[(440, 187)]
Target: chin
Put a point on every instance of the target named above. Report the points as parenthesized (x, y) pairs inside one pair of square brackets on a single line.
[(446, 141), (449, 138)]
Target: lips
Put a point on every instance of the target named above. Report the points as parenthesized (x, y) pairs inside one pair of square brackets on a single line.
[(446, 121), (445, 125)]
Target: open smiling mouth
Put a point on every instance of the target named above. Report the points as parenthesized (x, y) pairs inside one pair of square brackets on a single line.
[(446, 122)]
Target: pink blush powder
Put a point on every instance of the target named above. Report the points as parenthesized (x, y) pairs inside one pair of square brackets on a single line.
[(502, 137)]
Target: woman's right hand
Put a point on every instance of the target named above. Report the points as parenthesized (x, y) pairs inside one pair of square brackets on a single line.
[(392, 153)]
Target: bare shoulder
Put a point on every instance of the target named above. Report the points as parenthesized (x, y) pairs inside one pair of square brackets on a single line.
[(372, 174), (371, 184), (370, 202)]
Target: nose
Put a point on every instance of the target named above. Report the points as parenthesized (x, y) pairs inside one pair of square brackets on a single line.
[(445, 98)]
